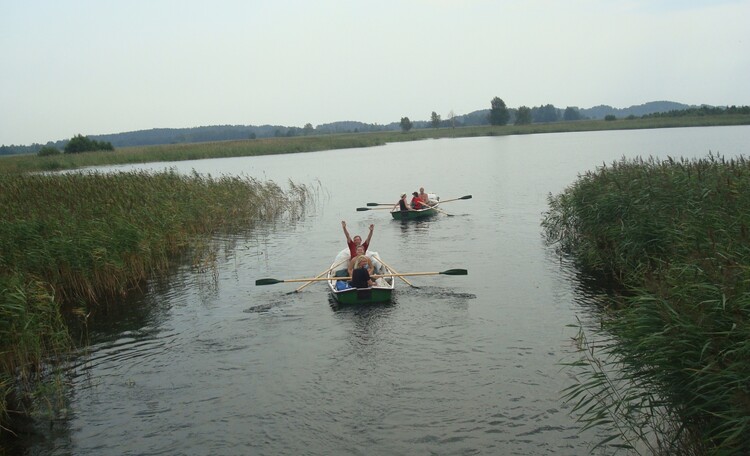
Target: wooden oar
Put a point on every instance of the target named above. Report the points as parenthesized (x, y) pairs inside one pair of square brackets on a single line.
[(440, 210), (405, 274), (456, 199), (389, 267), (320, 275), (360, 209)]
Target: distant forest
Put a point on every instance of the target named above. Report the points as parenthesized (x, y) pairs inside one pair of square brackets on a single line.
[(540, 114)]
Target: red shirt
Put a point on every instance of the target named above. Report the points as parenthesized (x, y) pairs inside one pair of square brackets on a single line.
[(353, 248), (416, 203)]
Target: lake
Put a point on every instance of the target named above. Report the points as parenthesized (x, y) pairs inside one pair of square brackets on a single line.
[(205, 362)]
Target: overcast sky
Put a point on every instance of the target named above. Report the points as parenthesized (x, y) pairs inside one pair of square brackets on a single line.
[(93, 67)]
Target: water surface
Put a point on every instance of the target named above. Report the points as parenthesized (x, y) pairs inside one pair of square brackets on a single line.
[(205, 362)]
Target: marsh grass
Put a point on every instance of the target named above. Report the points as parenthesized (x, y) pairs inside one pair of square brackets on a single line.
[(82, 240), (674, 235)]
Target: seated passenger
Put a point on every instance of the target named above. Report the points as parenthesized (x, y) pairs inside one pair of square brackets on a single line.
[(360, 269), (402, 204), (416, 202)]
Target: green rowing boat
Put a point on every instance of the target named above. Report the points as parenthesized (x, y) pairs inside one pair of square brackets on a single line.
[(414, 214), (344, 294)]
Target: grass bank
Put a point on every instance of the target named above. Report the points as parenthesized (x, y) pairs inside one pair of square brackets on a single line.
[(675, 236), (193, 151), (83, 239)]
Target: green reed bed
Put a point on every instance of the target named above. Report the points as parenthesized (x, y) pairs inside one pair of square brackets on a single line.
[(84, 238), (675, 236)]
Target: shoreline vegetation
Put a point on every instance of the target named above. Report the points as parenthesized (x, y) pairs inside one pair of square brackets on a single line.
[(668, 370), (72, 243), (79, 239), (313, 143)]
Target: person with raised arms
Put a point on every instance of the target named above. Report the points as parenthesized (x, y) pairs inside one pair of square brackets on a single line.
[(356, 241)]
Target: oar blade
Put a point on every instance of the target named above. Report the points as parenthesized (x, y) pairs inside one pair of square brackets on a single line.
[(467, 197), (267, 281), (455, 272), (360, 209), (373, 204)]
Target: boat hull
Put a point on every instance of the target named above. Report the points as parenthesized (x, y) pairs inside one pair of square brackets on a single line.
[(360, 296), (414, 214)]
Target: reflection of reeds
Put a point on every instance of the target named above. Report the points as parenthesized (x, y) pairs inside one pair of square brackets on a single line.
[(81, 238), (674, 234)]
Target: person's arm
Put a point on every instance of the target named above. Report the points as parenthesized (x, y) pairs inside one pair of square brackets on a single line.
[(369, 236), (346, 232), (350, 267)]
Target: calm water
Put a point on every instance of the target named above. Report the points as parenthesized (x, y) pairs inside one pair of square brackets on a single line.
[(205, 362)]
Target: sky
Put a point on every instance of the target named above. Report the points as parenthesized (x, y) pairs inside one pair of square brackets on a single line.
[(94, 67)]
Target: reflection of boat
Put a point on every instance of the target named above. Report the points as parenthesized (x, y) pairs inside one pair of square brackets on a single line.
[(418, 213), (345, 294)]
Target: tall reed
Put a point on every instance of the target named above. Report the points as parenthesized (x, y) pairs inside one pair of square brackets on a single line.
[(674, 235), (88, 238)]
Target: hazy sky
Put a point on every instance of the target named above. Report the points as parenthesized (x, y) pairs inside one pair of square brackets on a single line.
[(107, 66)]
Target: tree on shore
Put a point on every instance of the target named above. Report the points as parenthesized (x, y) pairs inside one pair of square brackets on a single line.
[(406, 124), (435, 119), (571, 114), (80, 143), (546, 113), (523, 115), (47, 151), (499, 114)]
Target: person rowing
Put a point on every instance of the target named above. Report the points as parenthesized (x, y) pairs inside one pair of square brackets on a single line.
[(402, 204)]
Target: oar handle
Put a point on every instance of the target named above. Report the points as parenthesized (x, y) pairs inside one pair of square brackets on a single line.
[(456, 199)]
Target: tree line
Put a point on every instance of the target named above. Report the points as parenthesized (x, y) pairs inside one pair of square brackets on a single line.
[(497, 114)]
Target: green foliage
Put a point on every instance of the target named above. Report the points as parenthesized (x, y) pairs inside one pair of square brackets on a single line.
[(31, 332), (523, 116), (435, 119), (499, 114), (83, 239), (80, 143), (610, 117), (675, 235), (571, 114), (546, 113), (406, 124), (47, 151)]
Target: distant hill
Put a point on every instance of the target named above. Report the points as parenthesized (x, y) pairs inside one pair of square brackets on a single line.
[(159, 136), (598, 112)]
